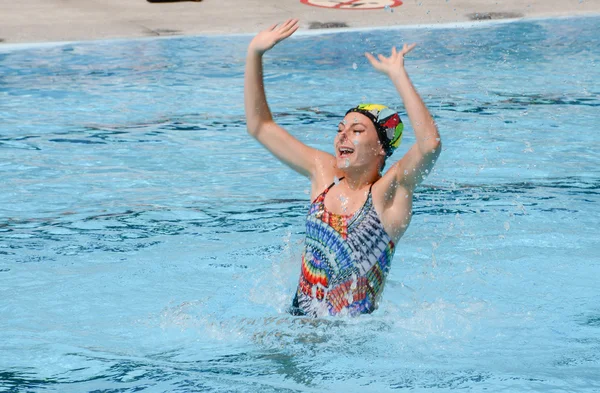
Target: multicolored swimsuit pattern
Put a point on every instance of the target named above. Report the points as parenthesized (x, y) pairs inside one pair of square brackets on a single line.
[(345, 262)]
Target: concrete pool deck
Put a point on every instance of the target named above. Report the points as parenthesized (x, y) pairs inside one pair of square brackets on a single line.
[(29, 21)]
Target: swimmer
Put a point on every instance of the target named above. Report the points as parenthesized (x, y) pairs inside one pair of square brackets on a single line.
[(358, 213)]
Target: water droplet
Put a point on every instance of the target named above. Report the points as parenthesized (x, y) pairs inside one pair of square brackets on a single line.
[(354, 66), (507, 225), (349, 298), (355, 142), (347, 163), (387, 8), (336, 181), (406, 171)]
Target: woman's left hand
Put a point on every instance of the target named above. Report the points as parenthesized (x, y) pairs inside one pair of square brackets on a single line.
[(392, 64)]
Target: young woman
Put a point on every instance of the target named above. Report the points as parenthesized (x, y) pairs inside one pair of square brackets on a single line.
[(358, 214)]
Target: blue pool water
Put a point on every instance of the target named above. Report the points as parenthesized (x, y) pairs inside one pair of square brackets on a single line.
[(148, 244)]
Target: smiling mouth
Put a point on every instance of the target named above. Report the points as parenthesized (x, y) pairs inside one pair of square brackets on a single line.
[(345, 152)]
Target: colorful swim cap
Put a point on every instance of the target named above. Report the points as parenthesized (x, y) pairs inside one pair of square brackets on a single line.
[(387, 123)]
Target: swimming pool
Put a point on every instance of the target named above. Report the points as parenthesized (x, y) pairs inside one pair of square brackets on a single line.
[(148, 244)]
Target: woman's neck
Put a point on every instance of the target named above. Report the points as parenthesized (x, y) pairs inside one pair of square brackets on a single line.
[(360, 179)]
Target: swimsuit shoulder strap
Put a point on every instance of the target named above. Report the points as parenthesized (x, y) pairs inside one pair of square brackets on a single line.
[(334, 183), (325, 191)]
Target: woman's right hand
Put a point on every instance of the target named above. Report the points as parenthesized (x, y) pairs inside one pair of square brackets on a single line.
[(267, 39)]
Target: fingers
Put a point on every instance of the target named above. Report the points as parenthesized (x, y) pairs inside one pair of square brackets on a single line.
[(372, 59), (288, 25), (407, 48), (285, 24), (288, 28), (293, 29)]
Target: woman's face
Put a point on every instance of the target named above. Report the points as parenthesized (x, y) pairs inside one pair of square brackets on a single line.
[(356, 143)]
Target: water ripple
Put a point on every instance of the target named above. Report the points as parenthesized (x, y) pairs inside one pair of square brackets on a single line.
[(134, 230)]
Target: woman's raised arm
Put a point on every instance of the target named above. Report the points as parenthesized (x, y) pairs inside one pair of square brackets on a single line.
[(419, 160), (303, 159)]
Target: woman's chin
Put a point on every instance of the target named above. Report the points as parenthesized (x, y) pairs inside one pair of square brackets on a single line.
[(344, 162)]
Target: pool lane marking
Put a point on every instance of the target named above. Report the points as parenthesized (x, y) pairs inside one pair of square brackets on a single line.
[(347, 5)]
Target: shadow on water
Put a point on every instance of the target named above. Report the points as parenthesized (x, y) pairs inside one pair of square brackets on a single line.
[(22, 381)]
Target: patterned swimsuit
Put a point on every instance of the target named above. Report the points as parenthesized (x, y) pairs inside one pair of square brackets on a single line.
[(345, 261)]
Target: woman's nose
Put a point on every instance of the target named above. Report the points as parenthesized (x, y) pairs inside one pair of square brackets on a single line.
[(343, 134)]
